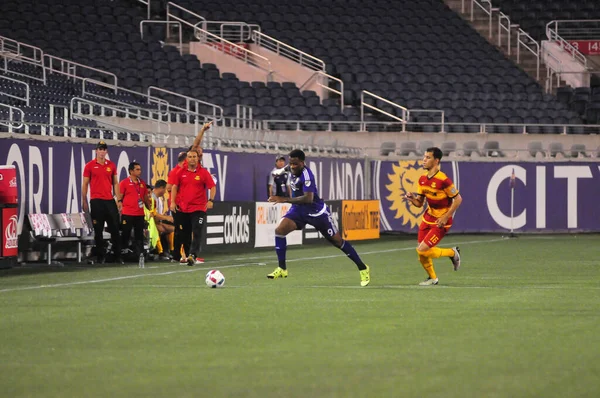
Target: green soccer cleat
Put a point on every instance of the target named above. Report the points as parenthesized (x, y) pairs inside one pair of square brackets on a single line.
[(365, 276), (278, 273)]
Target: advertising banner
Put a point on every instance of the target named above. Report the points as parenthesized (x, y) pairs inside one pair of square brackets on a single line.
[(229, 226), (548, 196), (267, 218), (360, 219), (9, 232), (49, 174)]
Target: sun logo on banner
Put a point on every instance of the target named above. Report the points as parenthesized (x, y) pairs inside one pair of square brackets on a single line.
[(160, 164), (404, 179)]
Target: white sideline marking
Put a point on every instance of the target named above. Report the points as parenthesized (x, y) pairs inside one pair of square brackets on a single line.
[(211, 266)]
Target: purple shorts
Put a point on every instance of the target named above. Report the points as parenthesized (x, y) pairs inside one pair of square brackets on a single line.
[(321, 220)]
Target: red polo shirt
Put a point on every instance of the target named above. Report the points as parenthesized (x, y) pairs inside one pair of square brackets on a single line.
[(132, 192), (191, 189), (101, 178), (171, 178)]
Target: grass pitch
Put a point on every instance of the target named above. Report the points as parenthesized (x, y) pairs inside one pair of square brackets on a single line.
[(519, 319)]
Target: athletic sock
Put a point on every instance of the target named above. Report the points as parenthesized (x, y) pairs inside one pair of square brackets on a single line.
[(281, 248), (352, 254), (427, 266)]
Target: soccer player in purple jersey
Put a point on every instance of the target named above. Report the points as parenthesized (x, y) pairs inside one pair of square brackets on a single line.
[(308, 208)]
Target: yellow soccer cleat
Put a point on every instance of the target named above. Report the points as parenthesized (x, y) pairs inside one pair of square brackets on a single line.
[(278, 273), (365, 276)]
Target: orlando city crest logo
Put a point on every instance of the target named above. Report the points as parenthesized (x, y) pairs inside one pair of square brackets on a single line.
[(160, 164), (404, 179)]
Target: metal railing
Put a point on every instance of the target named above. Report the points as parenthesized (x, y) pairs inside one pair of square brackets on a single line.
[(236, 31), (489, 11), (576, 29), (87, 109), (552, 72), (364, 104), (507, 28), (192, 105), (75, 70), (162, 106), (12, 50), (323, 80), (527, 42), (172, 8), (287, 51), (25, 98), (552, 34), (239, 52), (168, 23), (12, 111)]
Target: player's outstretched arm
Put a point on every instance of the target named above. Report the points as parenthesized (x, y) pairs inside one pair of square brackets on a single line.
[(200, 135)]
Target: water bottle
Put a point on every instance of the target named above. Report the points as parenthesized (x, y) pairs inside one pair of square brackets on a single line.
[(141, 262)]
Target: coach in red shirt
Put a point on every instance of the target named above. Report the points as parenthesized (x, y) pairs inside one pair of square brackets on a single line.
[(134, 195), (100, 175), (177, 238), (188, 197)]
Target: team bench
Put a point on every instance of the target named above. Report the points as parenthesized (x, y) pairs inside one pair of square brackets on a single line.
[(63, 227)]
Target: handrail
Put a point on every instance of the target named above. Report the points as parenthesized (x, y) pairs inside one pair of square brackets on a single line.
[(173, 16), (553, 70), (504, 17), (568, 47), (363, 104), (10, 121), (287, 51), (26, 99), (19, 49), (69, 68), (162, 105), (580, 30), (147, 4), (189, 101), (440, 111), (489, 12), (177, 23), (229, 48), (322, 75), (230, 36), (535, 52), (11, 49), (78, 112)]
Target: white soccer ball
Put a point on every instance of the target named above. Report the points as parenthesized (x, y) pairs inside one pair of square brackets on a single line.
[(215, 278)]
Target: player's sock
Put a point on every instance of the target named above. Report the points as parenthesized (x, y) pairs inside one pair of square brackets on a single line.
[(281, 248), (352, 254), (427, 264), (436, 252)]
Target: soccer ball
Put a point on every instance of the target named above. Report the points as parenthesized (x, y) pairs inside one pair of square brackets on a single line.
[(215, 278)]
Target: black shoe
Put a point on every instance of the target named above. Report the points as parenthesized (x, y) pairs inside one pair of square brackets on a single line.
[(119, 260)]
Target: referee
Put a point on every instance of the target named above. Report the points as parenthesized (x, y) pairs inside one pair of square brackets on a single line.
[(100, 175)]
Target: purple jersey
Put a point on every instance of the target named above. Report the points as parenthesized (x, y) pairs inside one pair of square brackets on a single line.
[(303, 183), (315, 213)]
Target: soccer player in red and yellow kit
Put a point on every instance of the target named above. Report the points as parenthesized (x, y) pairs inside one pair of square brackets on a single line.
[(443, 199), (100, 175)]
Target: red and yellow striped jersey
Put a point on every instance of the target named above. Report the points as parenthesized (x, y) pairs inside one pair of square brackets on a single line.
[(439, 191)]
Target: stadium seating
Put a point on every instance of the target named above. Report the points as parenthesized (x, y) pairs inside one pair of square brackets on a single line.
[(533, 15), (433, 57)]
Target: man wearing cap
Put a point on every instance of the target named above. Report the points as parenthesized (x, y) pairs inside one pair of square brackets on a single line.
[(278, 184), (100, 175)]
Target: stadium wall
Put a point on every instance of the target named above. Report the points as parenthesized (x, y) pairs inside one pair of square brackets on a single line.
[(549, 196)]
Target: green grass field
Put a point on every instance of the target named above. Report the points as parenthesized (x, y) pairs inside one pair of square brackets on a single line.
[(520, 319)]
